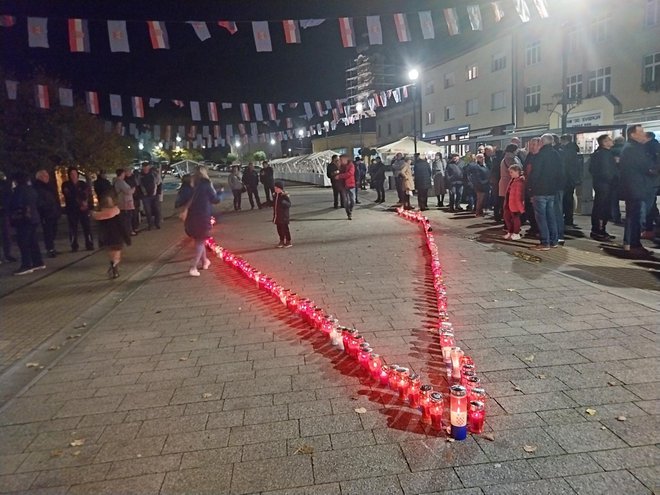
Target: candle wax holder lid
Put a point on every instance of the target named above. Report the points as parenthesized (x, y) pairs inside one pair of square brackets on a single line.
[(479, 391), (413, 376), (476, 404), (458, 390), (426, 388), (437, 396)]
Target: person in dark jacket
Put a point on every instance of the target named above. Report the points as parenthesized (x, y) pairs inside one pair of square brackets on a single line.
[(545, 180), (650, 207), (573, 168), (619, 143), (251, 181), (102, 186), (266, 178), (347, 177), (112, 232), (331, 171), (77, 205), (359, 163), (454, 179), (638, 174), (496, 157), (49, 210), (422, 171), (559, 195), (479, 177), (533, 147), (377, 173), (133, 181), (5, 225), (281, 206), (150, 184), (198, 219), (604, 173), (24, 217)]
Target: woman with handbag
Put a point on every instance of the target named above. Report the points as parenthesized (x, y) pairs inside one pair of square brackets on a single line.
[(24, 217), (237, 187), (198, 218)]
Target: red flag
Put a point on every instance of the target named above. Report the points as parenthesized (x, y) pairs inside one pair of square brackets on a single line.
[(7, 21), (229, 26), (158, 34), (402, 31), (245, 112), (272, 113), (78, 35), (43, 100), (92, 101), (347, 32), (291, 31), (213, 111), (138, 107)]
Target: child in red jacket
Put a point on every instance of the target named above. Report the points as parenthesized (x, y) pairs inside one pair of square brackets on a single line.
[(514, 202)]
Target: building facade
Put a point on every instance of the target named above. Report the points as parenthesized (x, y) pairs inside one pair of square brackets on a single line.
[(590, 64), (396, 121)]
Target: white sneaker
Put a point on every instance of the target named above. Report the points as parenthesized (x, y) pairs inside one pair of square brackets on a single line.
[(507, 236), (206, 264), (194, 272), (515, 237)]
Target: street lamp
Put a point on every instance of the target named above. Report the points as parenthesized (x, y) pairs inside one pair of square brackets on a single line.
[(178, 138), (360, 107), (301, 133), (272, 142), (326, 126), (413, 75)]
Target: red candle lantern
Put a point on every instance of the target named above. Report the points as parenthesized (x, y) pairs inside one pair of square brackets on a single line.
[(364, 355), (446, 345), (414, 390), (346, 334), (465, 374), (375, 365), (403, 383), (284, 297), (467, 361), (472, 382), (354, 344), (436, 408), (384, 376), (393, 378), (476, 417), (458, 412), (425, 392)]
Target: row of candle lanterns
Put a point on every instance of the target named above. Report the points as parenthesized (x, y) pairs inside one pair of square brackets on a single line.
[(466, 400)]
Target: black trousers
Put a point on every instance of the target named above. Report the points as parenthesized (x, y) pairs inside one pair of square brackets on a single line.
[(283, 232), (5, 228), (568, 205), (268, 193), (81, 218), (253, 195), (529, 213), (336, 194), (601, 209), (26, 238), (135, 215), (423, 198), (380, 190), (400, 190), (49, 228), (237, 198), (498, 210), (126, 217)]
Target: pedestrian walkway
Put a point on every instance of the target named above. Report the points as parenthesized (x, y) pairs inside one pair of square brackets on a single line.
[(205, 385)]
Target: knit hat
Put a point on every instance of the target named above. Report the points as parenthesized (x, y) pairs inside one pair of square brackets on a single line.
[(279, 183)]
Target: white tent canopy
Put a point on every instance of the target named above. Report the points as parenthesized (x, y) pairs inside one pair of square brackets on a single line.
[(304, 168), (184, 167), (406, 146)]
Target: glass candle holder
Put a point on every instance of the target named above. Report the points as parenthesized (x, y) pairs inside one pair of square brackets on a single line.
[(446, 327), (327, 326), (425, 392), (403, 383), (284, 297), (414, 390), (354, 344), (384, 375), (446, 344), (375, 365), (476, 417), (479, 394), (364, 355), (302, 306), (465, 374), (468, 361), (436, 408), (393, 378), (472, 382), (458, 412), (456, 355), (346, 334)]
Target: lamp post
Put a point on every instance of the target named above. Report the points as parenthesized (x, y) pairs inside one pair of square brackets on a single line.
[(360, 107), (301, 134), (326, 126), (413, 75)]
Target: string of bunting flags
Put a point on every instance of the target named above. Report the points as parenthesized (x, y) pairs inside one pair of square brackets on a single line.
[(273, 115), (158, 34)]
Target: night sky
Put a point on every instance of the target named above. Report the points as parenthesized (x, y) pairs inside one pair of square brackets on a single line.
[(225, 67)]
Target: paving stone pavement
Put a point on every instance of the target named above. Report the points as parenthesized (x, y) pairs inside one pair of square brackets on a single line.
[(205, 385)]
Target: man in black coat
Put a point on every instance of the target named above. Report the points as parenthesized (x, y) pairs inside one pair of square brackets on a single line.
[(49, 210), (604, 172), (544, 184), (25, 219), (266, 178), (331, 172), (638, 175), (102, 186), (77, 204), (422, 171), (573, 169), (377, 173), (251, 182)]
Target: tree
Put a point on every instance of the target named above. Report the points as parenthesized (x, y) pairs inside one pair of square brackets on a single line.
[(231, 158), (178, 154), (32, 138), (259, 156)]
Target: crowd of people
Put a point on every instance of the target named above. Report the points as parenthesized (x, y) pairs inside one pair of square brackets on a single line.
[(532, 185), (27, 203)]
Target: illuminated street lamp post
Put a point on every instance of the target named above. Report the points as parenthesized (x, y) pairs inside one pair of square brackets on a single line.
[(413, 75), (301, 134), (326, 126)]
